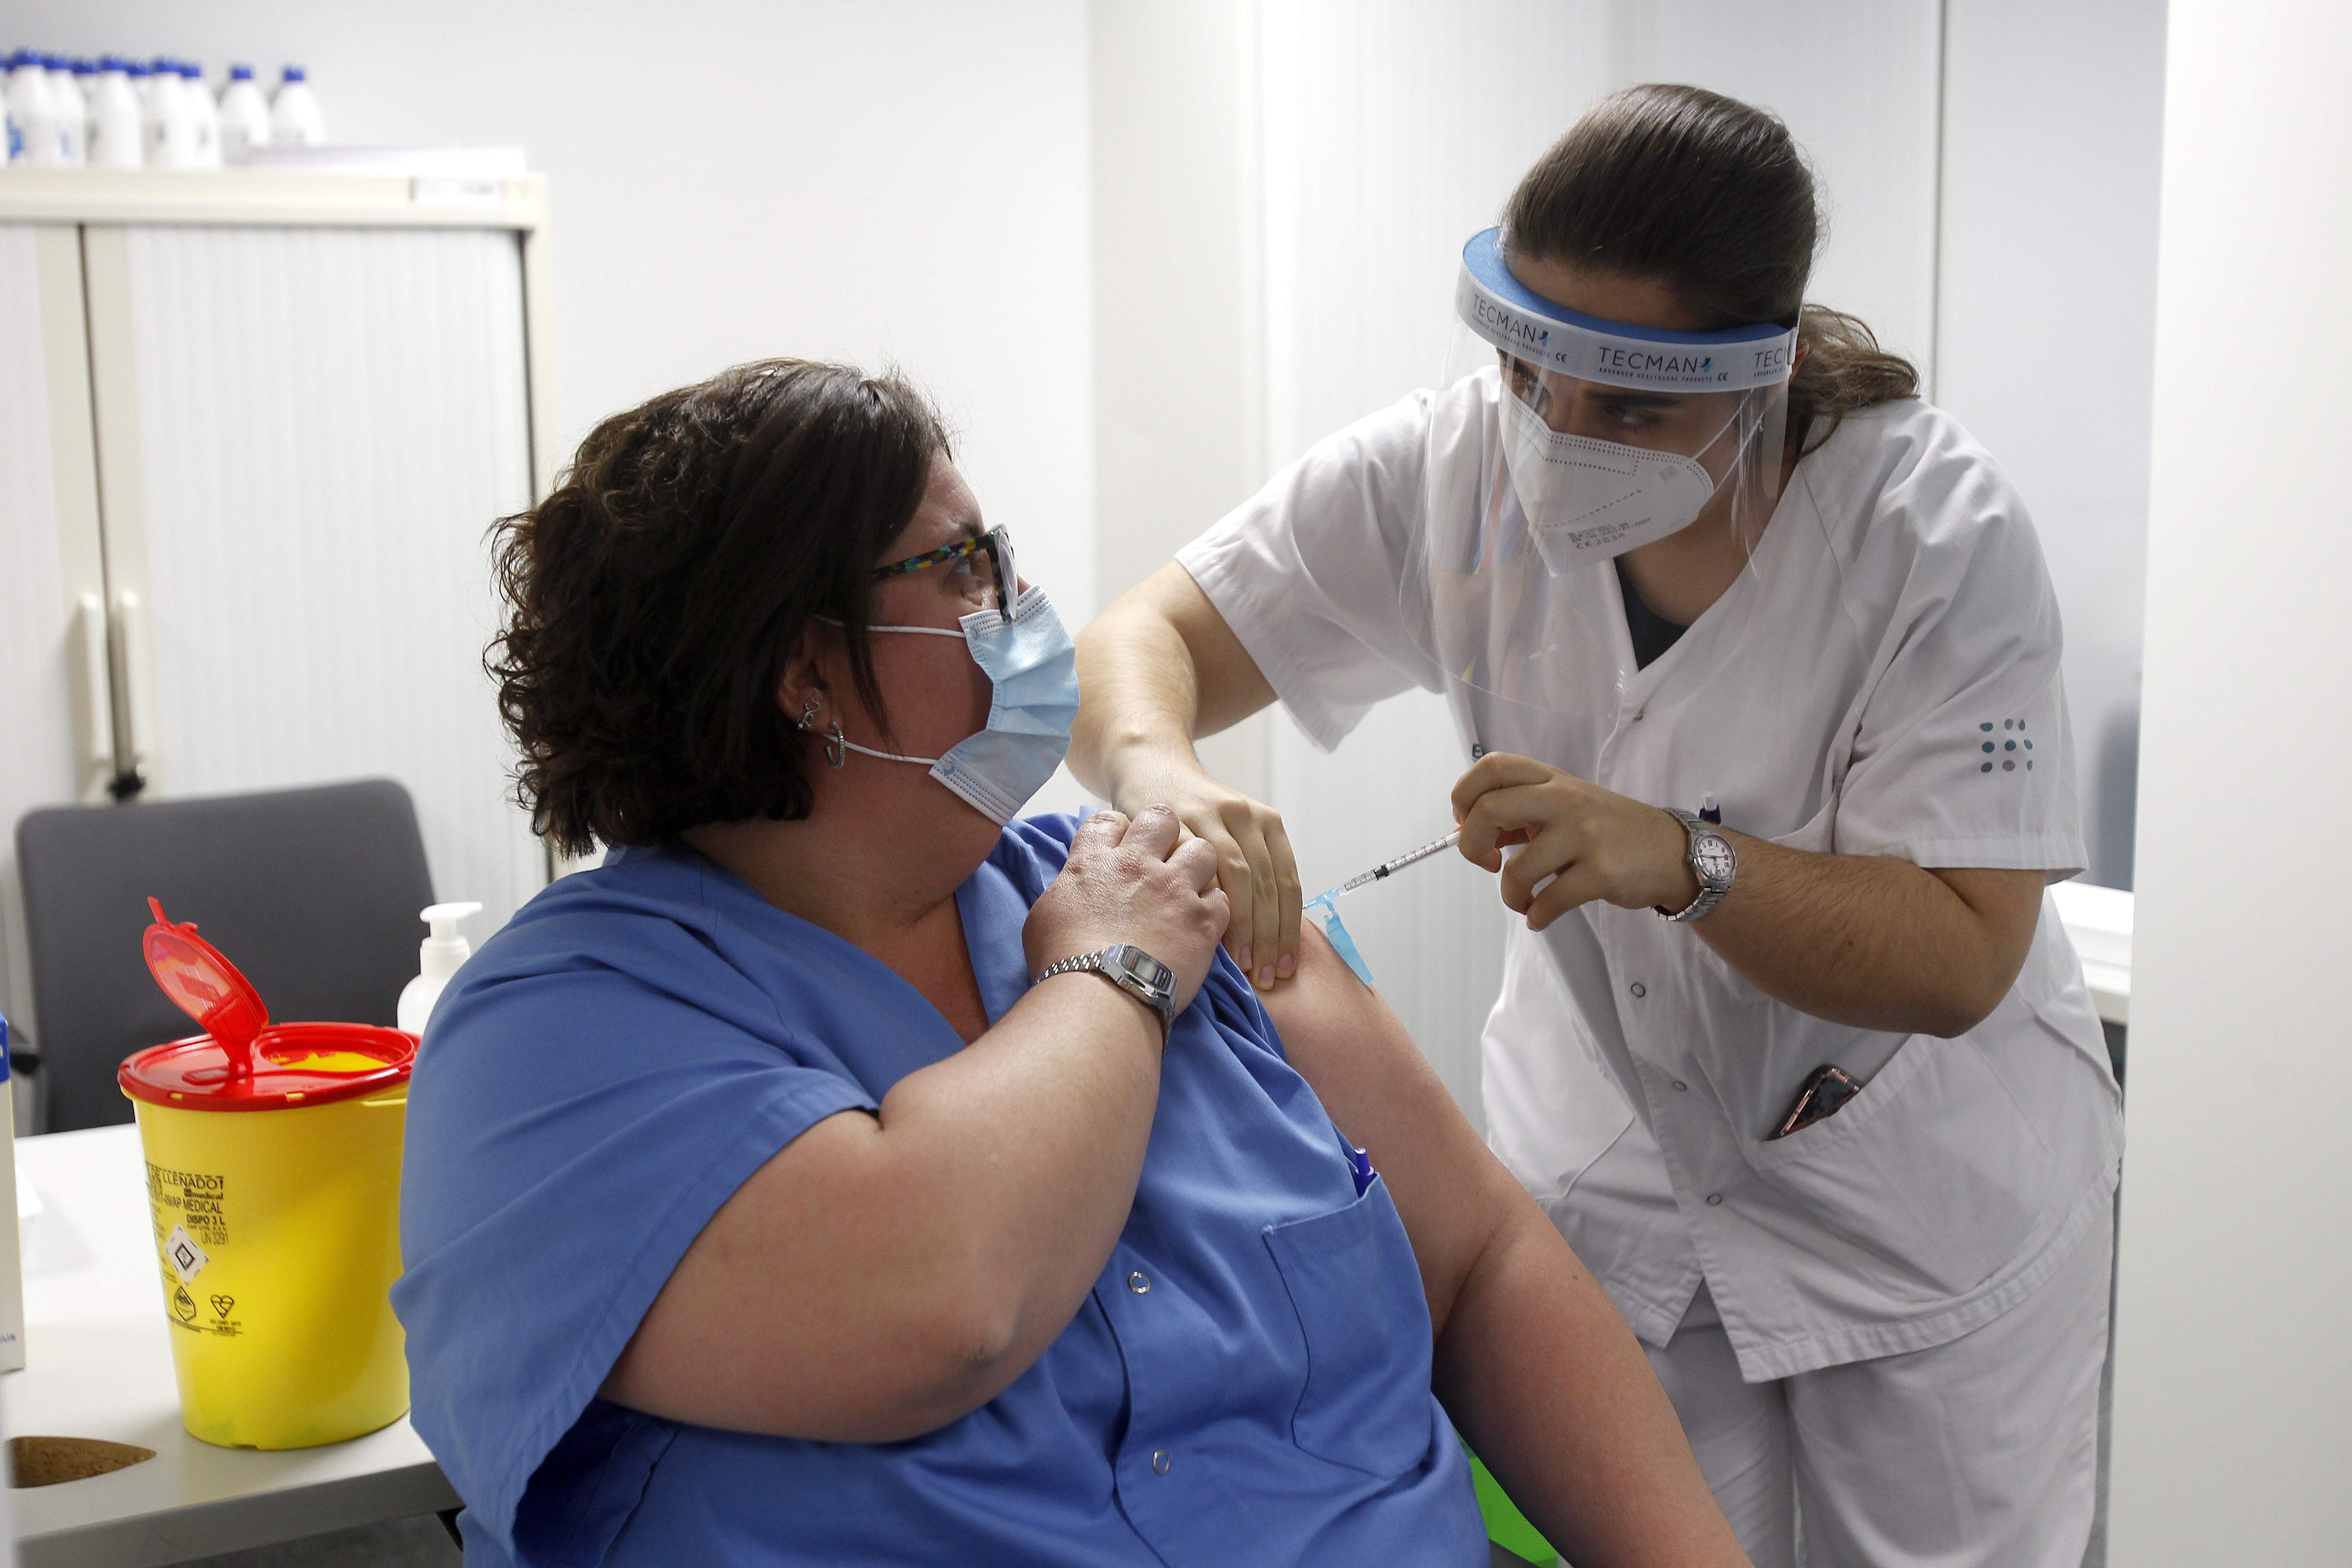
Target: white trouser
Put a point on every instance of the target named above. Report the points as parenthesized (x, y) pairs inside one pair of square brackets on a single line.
[(1981, 1451)]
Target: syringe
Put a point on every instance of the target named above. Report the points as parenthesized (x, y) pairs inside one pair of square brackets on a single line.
[(1389, 868)]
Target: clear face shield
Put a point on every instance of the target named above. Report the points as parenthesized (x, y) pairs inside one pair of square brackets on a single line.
[(1560, 441)]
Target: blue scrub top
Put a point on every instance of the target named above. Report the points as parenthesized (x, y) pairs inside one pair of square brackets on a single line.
[(640, 1038)]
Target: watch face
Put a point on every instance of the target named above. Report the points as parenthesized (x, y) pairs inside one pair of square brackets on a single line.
[(1150, 970), (1712, 859)]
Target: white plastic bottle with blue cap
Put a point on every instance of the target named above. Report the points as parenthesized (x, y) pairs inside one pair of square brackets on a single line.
[(244, 115), (73, 110), (153, 85), (32, 112), (114, 116), (12, 135), (294, 116), (163, 121), (439, 957), (85, 75), (203, 118)]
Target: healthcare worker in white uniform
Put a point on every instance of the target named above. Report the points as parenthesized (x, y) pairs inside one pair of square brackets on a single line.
[(1754, 664)]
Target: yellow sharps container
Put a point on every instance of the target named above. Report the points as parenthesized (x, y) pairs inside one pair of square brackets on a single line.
[(273, 1178)]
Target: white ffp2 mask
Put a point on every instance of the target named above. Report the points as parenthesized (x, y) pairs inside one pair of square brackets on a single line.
[(1588, 501)]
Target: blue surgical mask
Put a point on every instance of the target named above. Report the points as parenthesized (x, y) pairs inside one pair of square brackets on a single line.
[(1033, 666)]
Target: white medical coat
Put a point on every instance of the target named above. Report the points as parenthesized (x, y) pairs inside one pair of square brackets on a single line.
[(1885, 682)]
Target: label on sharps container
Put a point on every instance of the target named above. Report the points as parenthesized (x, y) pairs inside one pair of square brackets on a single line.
[(186, 1258), (193, 1203), (193, 1199)]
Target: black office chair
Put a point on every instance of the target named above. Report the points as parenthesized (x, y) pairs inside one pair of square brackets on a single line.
[(313, 893)]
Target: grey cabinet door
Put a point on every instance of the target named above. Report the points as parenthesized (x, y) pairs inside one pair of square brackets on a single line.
[(305, 435)]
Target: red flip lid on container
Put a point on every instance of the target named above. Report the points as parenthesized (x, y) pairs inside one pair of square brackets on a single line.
[(241, 1062)]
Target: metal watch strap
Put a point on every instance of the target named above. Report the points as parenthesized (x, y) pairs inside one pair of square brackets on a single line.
[(1097, 963), (1710, 892)]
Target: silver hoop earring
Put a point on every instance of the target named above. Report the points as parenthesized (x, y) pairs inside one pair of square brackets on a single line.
[(833, 753)]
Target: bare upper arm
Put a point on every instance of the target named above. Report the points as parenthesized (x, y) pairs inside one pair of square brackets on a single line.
[(1451, 1193), (1230, 684), (808, 1305)]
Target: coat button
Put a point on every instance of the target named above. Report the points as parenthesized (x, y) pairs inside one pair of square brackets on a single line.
[(1139, 1282), (1681, 1088), (1638, 989), (1159, 1462), (1713, 1199)]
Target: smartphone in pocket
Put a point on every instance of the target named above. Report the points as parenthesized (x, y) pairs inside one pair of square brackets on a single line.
[(1825, 1094)]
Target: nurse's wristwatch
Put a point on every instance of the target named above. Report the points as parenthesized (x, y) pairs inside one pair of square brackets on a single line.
[(1130, 969), (1711, 859)]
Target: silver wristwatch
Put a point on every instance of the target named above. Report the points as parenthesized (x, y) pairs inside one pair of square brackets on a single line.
[(1711, 859), (1130, 969)]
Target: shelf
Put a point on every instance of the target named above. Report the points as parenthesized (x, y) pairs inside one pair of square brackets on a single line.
[(271, 196)]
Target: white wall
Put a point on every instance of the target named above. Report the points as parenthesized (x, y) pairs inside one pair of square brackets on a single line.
[(2233, 1371), (2046, 306), (1856, 81), (1179, 382), (895, 182)]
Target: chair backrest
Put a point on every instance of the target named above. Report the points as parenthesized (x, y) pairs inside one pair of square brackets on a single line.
[(312, 893)]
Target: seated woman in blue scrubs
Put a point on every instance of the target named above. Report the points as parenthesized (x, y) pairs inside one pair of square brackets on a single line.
[(763, 1206)]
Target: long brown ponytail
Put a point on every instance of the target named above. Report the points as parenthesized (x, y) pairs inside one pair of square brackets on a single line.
[(1711, 196)]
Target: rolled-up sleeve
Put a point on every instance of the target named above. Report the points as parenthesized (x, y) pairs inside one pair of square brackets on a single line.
[(1307, 570)]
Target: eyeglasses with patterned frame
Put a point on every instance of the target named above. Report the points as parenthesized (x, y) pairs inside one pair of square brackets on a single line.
[(997, 543)]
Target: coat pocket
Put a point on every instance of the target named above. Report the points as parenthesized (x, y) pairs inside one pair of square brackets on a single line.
[(1922, 1188), (1356, 1289)]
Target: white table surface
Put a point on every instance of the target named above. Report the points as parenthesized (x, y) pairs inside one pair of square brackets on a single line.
[(98, 1363), (2099, 922)]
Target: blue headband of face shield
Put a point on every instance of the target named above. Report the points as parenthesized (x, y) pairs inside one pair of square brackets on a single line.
[(1515, 318), (1032, 667)]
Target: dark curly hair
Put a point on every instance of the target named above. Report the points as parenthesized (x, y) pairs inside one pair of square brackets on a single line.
[(1712, 196), (654, 599)]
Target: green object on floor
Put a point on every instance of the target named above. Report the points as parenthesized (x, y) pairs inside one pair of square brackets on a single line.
[(1507, 1527)]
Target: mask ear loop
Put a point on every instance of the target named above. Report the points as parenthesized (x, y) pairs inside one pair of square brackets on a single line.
[(837, 745)]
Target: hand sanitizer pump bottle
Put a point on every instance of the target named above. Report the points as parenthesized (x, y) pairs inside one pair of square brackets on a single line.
[(439, 957)]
